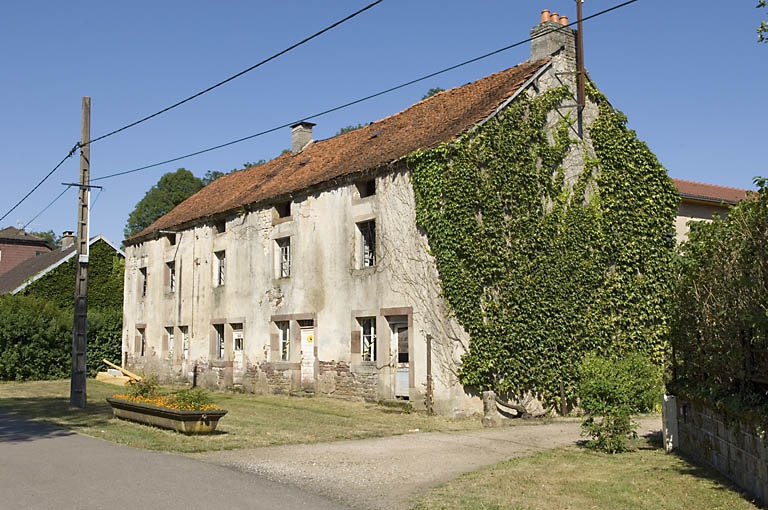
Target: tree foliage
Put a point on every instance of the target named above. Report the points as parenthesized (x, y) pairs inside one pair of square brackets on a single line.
[(720, 325), (347, 129), (431, 92), (540, 267), (172, 189), (50, 237), (762, 30)]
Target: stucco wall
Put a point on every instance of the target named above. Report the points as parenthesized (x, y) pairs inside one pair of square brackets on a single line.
[(689, 210)]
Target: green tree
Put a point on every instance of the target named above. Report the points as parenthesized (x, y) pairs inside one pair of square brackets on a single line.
[(431, 92), (171, 190), (762, 30), (347, 129), (53, 240)]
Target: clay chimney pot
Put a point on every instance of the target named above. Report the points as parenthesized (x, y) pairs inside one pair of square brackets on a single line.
[(544, 15), (555, 17), (564, 21)]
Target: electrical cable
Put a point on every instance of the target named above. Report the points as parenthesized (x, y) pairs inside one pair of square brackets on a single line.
[(71, 152), (366, 98), (46, 207), (241, 73), (175, 105)]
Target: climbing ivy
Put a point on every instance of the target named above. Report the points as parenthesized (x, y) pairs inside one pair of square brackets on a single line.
[(541, 262), (105, 280)]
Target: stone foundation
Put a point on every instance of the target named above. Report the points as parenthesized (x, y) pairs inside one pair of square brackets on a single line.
[(735, 449)]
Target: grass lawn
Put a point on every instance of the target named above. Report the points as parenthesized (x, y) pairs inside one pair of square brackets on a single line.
[(253, 420), (576, 478)]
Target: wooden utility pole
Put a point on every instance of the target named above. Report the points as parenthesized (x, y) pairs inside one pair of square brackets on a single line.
[(77, 395)]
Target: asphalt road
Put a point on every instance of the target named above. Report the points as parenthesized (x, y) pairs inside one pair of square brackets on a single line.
[(45, 468)]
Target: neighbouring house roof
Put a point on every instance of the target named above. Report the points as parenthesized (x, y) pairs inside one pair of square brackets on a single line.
[(428, 123), (700, 191), (35, 268), (17, 235)]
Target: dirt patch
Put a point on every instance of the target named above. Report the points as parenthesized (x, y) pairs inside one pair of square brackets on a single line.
[(387, 473)]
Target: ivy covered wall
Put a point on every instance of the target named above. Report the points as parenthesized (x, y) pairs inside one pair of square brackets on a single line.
[(105, 306), (543, 262)]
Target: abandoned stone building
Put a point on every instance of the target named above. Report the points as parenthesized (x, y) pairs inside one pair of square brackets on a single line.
[(309, 271)]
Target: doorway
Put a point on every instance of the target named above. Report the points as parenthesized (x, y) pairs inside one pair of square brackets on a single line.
[(400, 348), (307, 353)]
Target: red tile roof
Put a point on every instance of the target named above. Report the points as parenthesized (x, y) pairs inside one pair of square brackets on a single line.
[(426, 124), (19, 235), (709, 192)]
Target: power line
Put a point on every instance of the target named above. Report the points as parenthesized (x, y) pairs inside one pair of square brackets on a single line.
[(366, 98), (190, 98), (234, 76), (46, 207), (71, 152)]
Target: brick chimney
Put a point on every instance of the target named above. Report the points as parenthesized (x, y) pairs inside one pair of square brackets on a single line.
[(301, 136), (551, 35), (67, 239)]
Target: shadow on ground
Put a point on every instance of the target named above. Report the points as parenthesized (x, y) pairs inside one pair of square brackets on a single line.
[(19, 417), (15, 429)]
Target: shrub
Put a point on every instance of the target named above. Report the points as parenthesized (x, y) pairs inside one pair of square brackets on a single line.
[(147, 387), (35, 339), (613, 389)]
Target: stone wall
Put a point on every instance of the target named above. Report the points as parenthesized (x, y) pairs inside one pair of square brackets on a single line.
[(737, 450)]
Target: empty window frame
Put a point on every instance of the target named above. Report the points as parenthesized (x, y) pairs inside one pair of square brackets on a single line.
[(237, 337), (141, 341), (283, 257), (170, 268), (368, 338), (171, 239), (221, 266), (184, 332), (219, 329), (220, 226), (171, 339), (143, 281), (367, 231), (283, 209), (284, 339), (366, 188)]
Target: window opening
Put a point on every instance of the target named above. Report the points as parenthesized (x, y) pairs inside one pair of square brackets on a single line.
[(220, 226), (183, 331), (284, 334), (143, 276), (171, 276), (284, 246), (221, 262), (169, 332), (283, 209), (141, 339), (366, 188), (219, 340), (368, 338), (368, 243)]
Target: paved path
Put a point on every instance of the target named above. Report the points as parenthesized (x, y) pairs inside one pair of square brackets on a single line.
[(387, 473), (45, 468)]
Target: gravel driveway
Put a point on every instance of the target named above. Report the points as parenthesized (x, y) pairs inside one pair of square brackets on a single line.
[(387, 473)]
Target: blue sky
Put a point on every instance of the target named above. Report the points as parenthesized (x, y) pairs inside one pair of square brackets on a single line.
[(689, 75)]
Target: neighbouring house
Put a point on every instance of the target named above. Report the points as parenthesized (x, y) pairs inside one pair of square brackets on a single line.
[(309, 272), (700, 201), (16, 246), (52, 275)]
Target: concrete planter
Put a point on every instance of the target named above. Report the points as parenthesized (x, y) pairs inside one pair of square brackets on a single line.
[(186, 422)]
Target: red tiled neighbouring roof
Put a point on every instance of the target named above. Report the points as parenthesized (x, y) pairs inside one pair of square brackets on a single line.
[(709, 192), (426, 124), (17, 234), (22, 272)]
